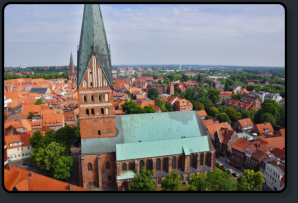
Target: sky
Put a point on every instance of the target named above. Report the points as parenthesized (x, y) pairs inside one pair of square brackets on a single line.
[(149, 34)]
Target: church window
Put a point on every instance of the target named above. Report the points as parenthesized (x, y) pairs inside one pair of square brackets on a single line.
[(130, 166), (105, 83), (174, 162), (192, 160), (148, 162), (109, 177), (108, 165), (102, 111), (141, 165), (87, 112), (92, 111), (84, 98), (92, 98), (107, 111), (164, 164), (89, 167), (124, 167), (180, 162), (99, 98), (106, 97), (158, 164), (84, 84), (98, 132), (99, 78)]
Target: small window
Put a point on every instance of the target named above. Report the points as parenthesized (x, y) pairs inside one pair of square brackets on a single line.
[(23, 154), (141, 165), (99, 132), (87, 112), (99, 98), (109, 177), (102, 111), (106, 97), (130, 166), (107, 111), (108, 165), (19, 155), (186, 179), (124, 167), (92, 111), (89, 167), (92, 98), (90, 183)]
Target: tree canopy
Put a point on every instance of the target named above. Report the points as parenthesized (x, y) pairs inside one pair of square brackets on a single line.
[(132, 107), (39, 102), (31, 114), (171, 182), (142, 181), (149, 109), (213, 111), (223, 118), (35, 139), (153, 93)]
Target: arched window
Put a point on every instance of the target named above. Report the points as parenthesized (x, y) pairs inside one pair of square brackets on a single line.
[(108, 166), (207, 159), (141, 165), (109, 177), (84, 98), (148, 163), (158, 165), (201, 158), (124, 167), (84, 84), (105, 83), (102, 111), (164, 164), (90, 77), (89, 167), (99, 77), (106, 97), (174, 163), (180, 162), (87, 112), (192, 160), (92, 98), (130, 166), (107, 111), (92, 111), (98, 132), (99, 98)]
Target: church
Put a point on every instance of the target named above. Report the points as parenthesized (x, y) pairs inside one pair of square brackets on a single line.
[(115, 147), (72, 73)]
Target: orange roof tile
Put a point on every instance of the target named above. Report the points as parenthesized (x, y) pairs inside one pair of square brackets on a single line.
[(279, 153), (281, 132), (276, 142), (202, 113), (146, 103), (241, 144), (42, 183), (11, 179), (119, 112), (261, 127), (245, 122)]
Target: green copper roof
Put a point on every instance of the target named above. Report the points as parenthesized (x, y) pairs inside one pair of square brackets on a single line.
[(139, 150), (158, 126), (147, 128), (93, 40)]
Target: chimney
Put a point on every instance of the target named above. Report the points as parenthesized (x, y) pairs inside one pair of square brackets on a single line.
[(30, 174), (69, 188), (264, 123)]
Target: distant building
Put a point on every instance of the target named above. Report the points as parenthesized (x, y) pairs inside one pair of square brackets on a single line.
[(72, 73)]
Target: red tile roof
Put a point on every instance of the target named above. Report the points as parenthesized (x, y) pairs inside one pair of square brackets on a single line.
[(276, 142), (260, 127), (41, 183), (241, 144), (202, 113), (278, 153), (245, 122), (281, 132), (11, 178)]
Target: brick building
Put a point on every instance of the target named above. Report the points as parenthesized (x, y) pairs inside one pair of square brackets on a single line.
[(163, 89), (183, 105), (72, 73), (224, 139), (109, 142), (243, 125)]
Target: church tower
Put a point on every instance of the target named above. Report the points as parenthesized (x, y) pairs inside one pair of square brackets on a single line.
[(72, 74), (95, 90)]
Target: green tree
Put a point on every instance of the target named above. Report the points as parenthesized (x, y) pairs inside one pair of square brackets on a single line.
[(198, 183), (227, 87), (257, 96), (175, 94), (35, 139), (214, 95), (45, 142), (176, 85), (132, 107), (50, 133), (268, 118), (169, 107), (78, 132), (198, 106), (159, 82), (209, 82), (166, 81), (65, 136), (142, 181), (213, 111), (223, 118), (171, 182), (31, 114), (163, 108), (153, 93), (39, 102), (220, 181), (233, 114), (253, 180), (158, 102), (149, 109), (199, 79), (54, 158), (128, 92)]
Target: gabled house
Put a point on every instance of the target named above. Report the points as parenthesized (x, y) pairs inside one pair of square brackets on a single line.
[(223, 140), (263, 128), (243, 125), (202, 114)]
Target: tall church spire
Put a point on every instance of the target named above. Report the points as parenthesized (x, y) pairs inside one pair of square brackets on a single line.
[(71, 66), (71, 60), (93, 40)]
